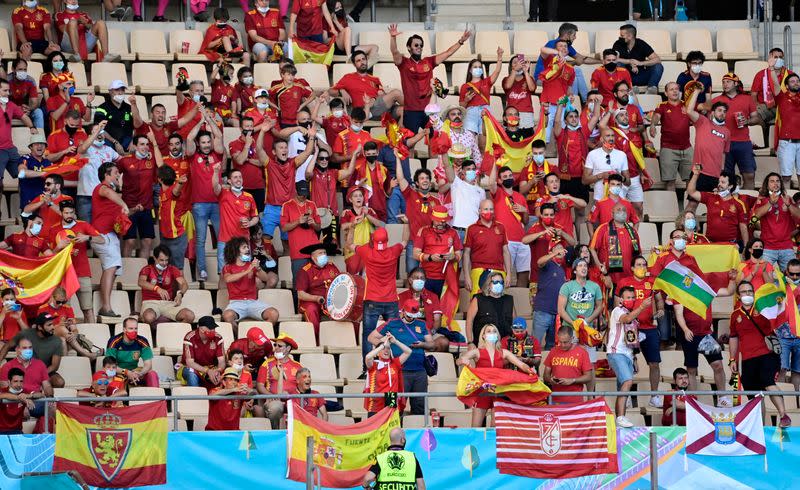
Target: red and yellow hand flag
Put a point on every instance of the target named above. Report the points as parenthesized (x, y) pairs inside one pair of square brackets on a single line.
[(521, 388), (513, 153), (33, 280), (113, 447), (67, 166), (307, 51)]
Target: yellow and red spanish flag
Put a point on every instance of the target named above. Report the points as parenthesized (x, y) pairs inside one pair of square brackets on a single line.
[(67, 166), (520, 388), (449, 298), (113, 447), (343, 453), (514, 152), (307, 51), (33, 279)]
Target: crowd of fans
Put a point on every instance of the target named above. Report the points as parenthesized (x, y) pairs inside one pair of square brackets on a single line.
[(301, 147)]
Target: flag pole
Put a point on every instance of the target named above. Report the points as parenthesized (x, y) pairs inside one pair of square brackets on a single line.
[(653, 461)]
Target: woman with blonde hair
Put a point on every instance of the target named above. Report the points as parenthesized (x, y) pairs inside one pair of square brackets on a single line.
[(687, 221), (489, 354)]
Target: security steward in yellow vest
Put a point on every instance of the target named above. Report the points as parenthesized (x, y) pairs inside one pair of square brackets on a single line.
[(396, 469)]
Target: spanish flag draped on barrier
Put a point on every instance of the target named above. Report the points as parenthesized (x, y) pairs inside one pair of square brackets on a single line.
[(686, 287), (307, 51), (113, 447), (33, 280), (520, 388), (343, 453), (714, 259), (515, 152)]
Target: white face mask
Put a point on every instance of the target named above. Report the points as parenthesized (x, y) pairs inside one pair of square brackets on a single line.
[(3, 100), (99, 143), (111, 373), (261, 105), (247, 80), (780, 63), (237, 188), (119, 99), (68, 225), (160, 267), (337, 113), (22, 75), (73, 7), (696, 69), (31, 4), (279, 355), (15, 391), (477, 72), (263, 10), (748, 300), (238, 366)]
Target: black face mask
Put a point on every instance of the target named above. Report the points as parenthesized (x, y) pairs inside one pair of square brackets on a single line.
[(508, 183), (306, 124), (611, 66), (226, 78), (70, 130), (371, 158), (245, 132), (756, 253)]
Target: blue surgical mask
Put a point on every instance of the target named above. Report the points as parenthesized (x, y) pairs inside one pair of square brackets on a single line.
[(680, 244), (779, 63), (616, 190), (573, 128), (58, 65), (470, 175), (111, 373), (418, 284), (538, 158), (71, 91), (245, 258), (196, 97), (322, 260), (141, 156), (355, 127), (724, 193), (690, 224), (491, 338), (99, 143), (497, 288), (270, 263), (477, 72), (36, 228), (262, 105), (27, 354)]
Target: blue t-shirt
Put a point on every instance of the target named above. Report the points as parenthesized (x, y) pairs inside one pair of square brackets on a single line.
[(415, 332), (30, 188), (551, 278), (704, 78), (540, 62)]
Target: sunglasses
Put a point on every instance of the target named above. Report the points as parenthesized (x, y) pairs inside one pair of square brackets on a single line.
[(793, 274), (416, 45), (322, 158), (497, 282), (102, 382), (61, 303)]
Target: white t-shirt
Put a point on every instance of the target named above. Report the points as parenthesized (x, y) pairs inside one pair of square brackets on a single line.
[(616, 334), (87, 175), (466, 200), (297, 145), (599, 161)]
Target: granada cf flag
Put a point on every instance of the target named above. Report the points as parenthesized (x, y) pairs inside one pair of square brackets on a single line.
[(717, 431), (343, 453), (306, 51), (34, 279), (525, 389), (113, 447), (560, 441)]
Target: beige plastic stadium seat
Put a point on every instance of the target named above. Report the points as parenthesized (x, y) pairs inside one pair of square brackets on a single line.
[(445, 39), (660, 206), (169, 103), (666, 229), (169, 337), (66, 393), (323, 369), (413, 422), (671, 71), (350, 366), (199, 301), (165, 367), (281, 300), (337, 337), (340, 70), (354, 407), (5, 45), (648, 102), (150, 45), (131, 266), (648, 235), (265, 73), (717, 70), (150, 78), (447, 367), (315, 74), (225, 330), (722, 307), (389, 75), (254, 423), (104, 73), (285, 270), (736, 44), (142, 391), (303, 334), (604, 39), (193, 37), (118, 44), (581, 44), (522, 301), (528, 42), (694, 40), (266, 327), (381, 39), (197, 71), (661, 42), (76, 371), (487, 42), (97, 333), (396, 232), (191, 409), (21, 136), (746, 70)]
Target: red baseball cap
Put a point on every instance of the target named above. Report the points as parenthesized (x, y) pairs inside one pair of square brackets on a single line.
[(99, 375), (380, 238), (411, 306), (256, 335)]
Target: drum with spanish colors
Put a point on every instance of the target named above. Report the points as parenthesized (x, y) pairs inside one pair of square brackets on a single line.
[(345, 298)]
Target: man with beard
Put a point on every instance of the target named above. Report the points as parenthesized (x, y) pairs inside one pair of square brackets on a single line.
[(419, 203), (511, 210), (47, 347), (322, 182), (237, 209), (244, 158), (680, 378), (162, 128), (511, 123), (741, 114), (138, 170), (356, 88), (299, 219)]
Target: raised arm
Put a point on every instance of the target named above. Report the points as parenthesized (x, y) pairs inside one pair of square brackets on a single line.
[(397, 56), (498, 66), (691, 109), (691, 187)]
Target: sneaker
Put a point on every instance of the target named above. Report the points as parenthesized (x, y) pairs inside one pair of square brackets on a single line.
[(354, 17), (75, 57), (786, 421), (652, 90), (363, 375), (656, 401), (138, 18), (111, 57), (203, 276), (160, 18), (725, 401), (624, 422), (107, 313)]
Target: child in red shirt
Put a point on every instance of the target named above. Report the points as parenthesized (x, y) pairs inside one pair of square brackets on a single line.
[(289, 97), (221, 40), (222, 92), (335, 122), (244, 90)]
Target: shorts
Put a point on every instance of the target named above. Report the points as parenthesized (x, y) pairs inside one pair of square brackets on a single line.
[(634, 192), (526, 120), (109, 252), (142, 225), (247, 308), (788, 158), (674, 162), (270, 219), (166, 309), (91, 41), (473, 119), (520, 256), (760, 372), (706, 183), (259, 48), (38, 46), (85, 293), (741, 153), (575, 188), (622, 365), (691, 355), (378, 108), (790, 354), (650, 346), (320, 38), (767, 114)]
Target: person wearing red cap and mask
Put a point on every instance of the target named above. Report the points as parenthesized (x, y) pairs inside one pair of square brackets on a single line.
[(435, 247), (486, 248), (100, 388), (278, 374), (380, 295), (203, 356), (741, 113), (409, 329), (312, 283), (128, 347), (256, 347), (602, 209)]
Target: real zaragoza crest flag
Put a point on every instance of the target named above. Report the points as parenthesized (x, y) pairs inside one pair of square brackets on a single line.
[(113, 447)]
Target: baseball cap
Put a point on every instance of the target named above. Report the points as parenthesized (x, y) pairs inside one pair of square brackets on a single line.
[(43, 318), (380, 238), (99, 375), (440, 213), (256, 335), (519, 322), (261, 93), (207, 321), (411, 306), (282, 337), (115, 84)]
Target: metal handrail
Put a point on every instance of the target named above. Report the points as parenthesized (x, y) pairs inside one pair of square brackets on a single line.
[(787, 45), (768, 39)]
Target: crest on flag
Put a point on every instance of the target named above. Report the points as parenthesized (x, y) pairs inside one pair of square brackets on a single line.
[(724, 428), (688, 280), (109, 444), (550, 428)]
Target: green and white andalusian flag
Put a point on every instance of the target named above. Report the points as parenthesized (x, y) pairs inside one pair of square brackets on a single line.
[(686, 287)]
